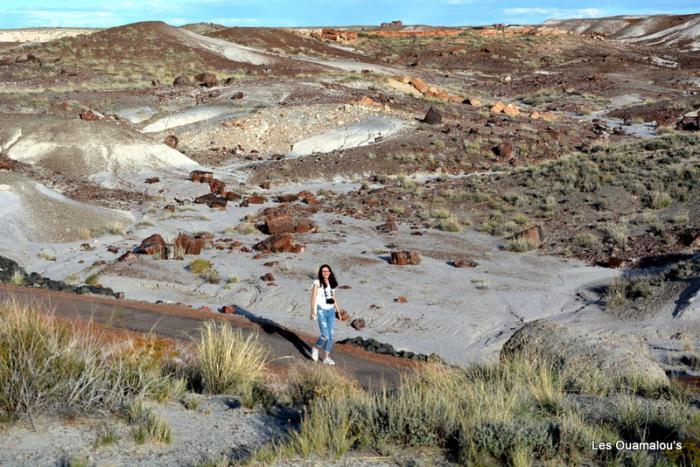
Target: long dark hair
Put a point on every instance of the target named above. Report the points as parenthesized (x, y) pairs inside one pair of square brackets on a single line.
[(331, 279)]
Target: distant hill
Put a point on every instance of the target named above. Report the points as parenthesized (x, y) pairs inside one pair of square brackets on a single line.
[(681, 32)]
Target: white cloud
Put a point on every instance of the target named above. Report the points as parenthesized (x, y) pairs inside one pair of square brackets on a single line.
[(558, 13)]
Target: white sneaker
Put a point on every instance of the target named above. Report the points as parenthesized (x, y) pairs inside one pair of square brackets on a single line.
[(328, 361), (314, 354)]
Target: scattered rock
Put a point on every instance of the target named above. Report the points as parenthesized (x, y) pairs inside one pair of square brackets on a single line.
[(401, 299), (128, 256), (270, 264), (187, 245), (217, 186), (433, 116), (389, 226), (268, 277), (153, 245), (113, 249), (533, 234), (228, 310), (498, 107), (90, 116), (465, 263), (171, 140), (572, 350), (152, 180), (473, 101), (237, 96), (207, 80), (231, 196), (308, 198), (371, 345), (256, 199), (265, 185), (201, 176), (182, 81), (281, 243), (218, 203), (287, 198), (511, 110), (358, 324), (504, 150), (402, 258)]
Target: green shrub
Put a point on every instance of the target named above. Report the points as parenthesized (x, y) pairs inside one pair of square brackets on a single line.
[(199, 266), (147, 425)]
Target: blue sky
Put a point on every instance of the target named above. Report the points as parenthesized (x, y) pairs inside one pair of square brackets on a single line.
[(91, 13)]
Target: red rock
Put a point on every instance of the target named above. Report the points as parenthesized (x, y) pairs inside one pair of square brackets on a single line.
[(256, 199), (258, 256), (207, 79), (534, 234), (128, 256), (358, 324), (237, 96), (188, 245), (181, 81), (615, 262), (297, 249), (511, 110), (113, 249), (217, 186), (228, 310), (204, 308), (504, 150), (419, 84), (151, 180), (465, 263), (201, 176), (498, 107), (170, 208), (345, 287), (268, 277), (270, 264), (171, 140), (287, 198), (275, 243), (403, 258), (89, 116), (206, 199), (337, 222), (308, 198), (265, 185), (154, 245), (231, 196), (401, 299)]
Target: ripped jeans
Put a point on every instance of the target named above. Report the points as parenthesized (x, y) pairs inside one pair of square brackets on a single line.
[(326, 323)]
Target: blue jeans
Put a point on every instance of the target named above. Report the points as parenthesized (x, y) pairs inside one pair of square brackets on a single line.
[(326, 323)]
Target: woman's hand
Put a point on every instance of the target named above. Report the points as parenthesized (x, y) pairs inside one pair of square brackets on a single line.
[(313, 315)]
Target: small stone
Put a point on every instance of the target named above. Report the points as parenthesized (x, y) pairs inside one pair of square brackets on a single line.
[(358, 324)]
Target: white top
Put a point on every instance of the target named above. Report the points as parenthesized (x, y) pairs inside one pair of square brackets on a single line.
[(321, 295)]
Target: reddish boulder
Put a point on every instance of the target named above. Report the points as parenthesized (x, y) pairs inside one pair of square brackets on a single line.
[(401, 299), (268, 277), (231, 196), (281, 243), (533, 234), (171, 140), (90, 116), (504, 150), (218, 203), (152, 180), (228, 310), (287, 198), (256, 199), (308, 198), (403, 258), (217, 186), (181, 81), (206, 199), (265, 185), (207, 79), (188, 245), (237, 96), (270, 264), (465, 263), (154, 245), (201, 176), (358, 324), (389, 226)]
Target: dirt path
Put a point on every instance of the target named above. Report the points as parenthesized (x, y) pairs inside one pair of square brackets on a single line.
[(178, 322)]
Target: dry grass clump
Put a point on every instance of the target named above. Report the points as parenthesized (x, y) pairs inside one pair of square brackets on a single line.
[(246, 228), (520, 244), (229, 363), (147, 425), (49, 367), (659, 200), (514, 412)]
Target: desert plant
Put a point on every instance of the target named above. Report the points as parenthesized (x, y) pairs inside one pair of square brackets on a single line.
[(659, 200), (199, 266), (246, 228), (229, 363), (18, 278), (92, 279), (520, 244), (147, 425)]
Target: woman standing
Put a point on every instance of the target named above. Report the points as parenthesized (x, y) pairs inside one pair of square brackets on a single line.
[(324, 305)]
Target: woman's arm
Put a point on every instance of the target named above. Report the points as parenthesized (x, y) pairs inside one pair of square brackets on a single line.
[(335, 300), (314, 293)]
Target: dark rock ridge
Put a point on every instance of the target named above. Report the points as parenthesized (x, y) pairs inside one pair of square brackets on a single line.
[(9, 267), (372, 345)]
